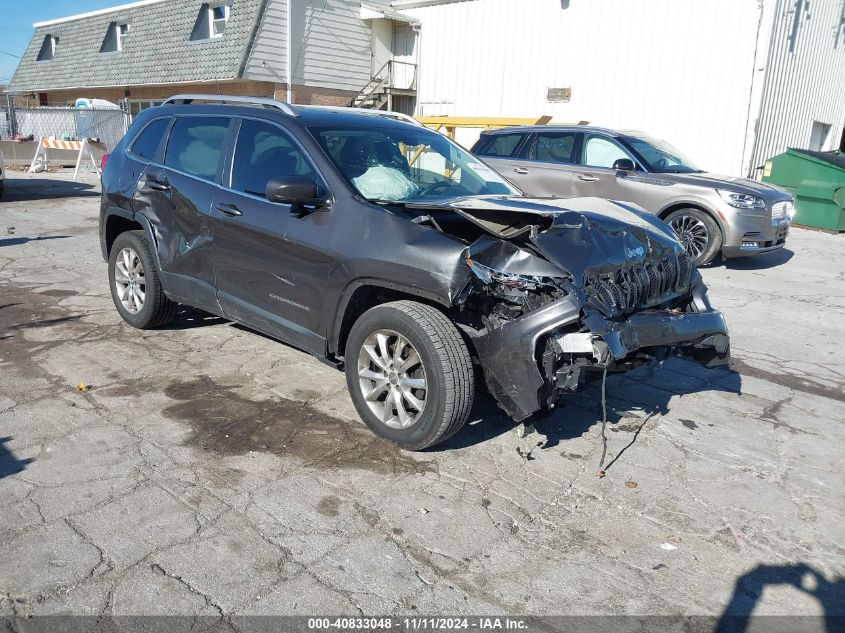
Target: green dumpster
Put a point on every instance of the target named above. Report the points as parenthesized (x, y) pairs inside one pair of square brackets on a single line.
[(817, 181)]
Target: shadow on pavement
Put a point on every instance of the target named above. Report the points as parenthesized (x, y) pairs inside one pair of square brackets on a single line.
[(646, 390), (758, 262), (188, 318), (748, 589), (9, 464), (24, 190), (17, 241)]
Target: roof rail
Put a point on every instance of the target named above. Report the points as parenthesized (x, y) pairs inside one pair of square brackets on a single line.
[(382, 113), (257, 101)]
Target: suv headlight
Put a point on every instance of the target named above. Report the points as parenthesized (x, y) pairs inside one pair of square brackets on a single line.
[(751, 204)]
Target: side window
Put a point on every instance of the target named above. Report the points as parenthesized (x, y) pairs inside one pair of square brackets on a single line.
[(502, 145), (195, 145), (558, 147), (147, 142), (264, 153), (602, 152)]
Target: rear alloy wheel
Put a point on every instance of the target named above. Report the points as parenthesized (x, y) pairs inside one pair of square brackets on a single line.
[(135, 285), (129, 281), (409, 374), (698, 232)]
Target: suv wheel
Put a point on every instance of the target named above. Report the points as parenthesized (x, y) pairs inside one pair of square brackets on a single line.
[(409, 374), (135, 285), (698, 232)]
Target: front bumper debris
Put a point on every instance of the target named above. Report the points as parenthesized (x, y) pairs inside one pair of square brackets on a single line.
[(527, 369)]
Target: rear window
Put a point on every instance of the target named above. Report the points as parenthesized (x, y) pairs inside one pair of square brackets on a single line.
[(196, 144), (147, 143), (498, 145), (554, 147)]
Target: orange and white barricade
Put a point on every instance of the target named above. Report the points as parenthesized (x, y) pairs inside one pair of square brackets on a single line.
[(82, 147)]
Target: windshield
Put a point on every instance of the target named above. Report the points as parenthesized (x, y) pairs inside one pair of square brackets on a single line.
[(661, 157), (407, 164)]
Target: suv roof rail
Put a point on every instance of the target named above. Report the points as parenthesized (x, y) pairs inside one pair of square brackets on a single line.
[(257, 101), (390, 114)]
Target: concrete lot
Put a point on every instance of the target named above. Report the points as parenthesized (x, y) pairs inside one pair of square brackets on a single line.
[(210, 470)]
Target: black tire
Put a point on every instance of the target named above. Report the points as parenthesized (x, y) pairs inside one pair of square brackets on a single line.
[(447, 368), (156, 309), (689, 216)]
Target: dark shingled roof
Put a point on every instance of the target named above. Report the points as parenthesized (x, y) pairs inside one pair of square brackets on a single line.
[(157, 50)]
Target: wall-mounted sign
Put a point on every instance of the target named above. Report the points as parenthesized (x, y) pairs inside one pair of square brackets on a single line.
[(559, 95)]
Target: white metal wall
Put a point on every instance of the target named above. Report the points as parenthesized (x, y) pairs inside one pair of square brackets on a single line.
[(805, 77), (677, 69)]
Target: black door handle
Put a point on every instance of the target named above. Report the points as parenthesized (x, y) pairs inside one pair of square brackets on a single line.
[(158, 186), (155, 185), (230, 210)]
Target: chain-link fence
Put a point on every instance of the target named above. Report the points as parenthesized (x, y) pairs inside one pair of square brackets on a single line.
[(5, 123), (72, 124)]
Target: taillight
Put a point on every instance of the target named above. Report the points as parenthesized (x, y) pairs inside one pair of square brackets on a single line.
[(103, 161)]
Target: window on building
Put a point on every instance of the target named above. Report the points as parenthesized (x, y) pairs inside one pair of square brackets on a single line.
[(819, 134), (211, 21), (264, 153), (137, 105), (146, 145), (219, 18), (498, 145), (48, 48), (122, 32), (196, 144), (115, 37)]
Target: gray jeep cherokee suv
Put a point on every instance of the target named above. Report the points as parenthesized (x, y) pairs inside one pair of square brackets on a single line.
[(710, 213), (384, 249)]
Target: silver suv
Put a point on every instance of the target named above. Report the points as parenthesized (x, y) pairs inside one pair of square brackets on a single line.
[(711, 214)]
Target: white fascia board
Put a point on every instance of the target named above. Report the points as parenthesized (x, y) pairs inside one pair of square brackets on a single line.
[(417, 4), (71, 18)]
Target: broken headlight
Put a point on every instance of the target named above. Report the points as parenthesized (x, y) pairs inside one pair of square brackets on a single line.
[(511, 280)]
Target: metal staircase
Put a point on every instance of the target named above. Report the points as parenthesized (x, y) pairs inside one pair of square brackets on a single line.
[(393, 79)]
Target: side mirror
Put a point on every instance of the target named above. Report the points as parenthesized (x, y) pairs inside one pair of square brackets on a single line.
[(624, 164), (296, 190)]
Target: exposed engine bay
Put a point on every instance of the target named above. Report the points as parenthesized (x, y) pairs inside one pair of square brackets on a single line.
[(558, 296)]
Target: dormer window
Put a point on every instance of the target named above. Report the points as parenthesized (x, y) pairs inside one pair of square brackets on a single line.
[(219, 18), (115, 36), (211, 22), (122, 32), (48, 48)]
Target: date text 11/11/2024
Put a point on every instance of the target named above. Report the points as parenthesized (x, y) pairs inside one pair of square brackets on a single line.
[(417, 624)]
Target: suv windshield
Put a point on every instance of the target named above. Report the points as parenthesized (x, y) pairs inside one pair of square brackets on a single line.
[(406, 164), (661, 157)]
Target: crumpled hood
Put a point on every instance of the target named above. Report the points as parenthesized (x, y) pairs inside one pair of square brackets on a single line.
[(580, 236)]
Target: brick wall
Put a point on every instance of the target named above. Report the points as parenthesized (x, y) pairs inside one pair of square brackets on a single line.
[(309, 95)]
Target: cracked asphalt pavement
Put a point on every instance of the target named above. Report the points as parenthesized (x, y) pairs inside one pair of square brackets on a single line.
[(209, 470)]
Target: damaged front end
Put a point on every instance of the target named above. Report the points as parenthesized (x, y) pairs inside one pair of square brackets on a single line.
[(560, 296)]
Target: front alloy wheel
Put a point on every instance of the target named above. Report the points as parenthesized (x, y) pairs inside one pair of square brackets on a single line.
[(692, 233), (392, 379), (409, 374), (698, 232)]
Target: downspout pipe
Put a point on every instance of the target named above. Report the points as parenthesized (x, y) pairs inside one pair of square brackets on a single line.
[(289, 47)]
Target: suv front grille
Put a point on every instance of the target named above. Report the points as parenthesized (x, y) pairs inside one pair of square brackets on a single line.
[(641, 286)]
